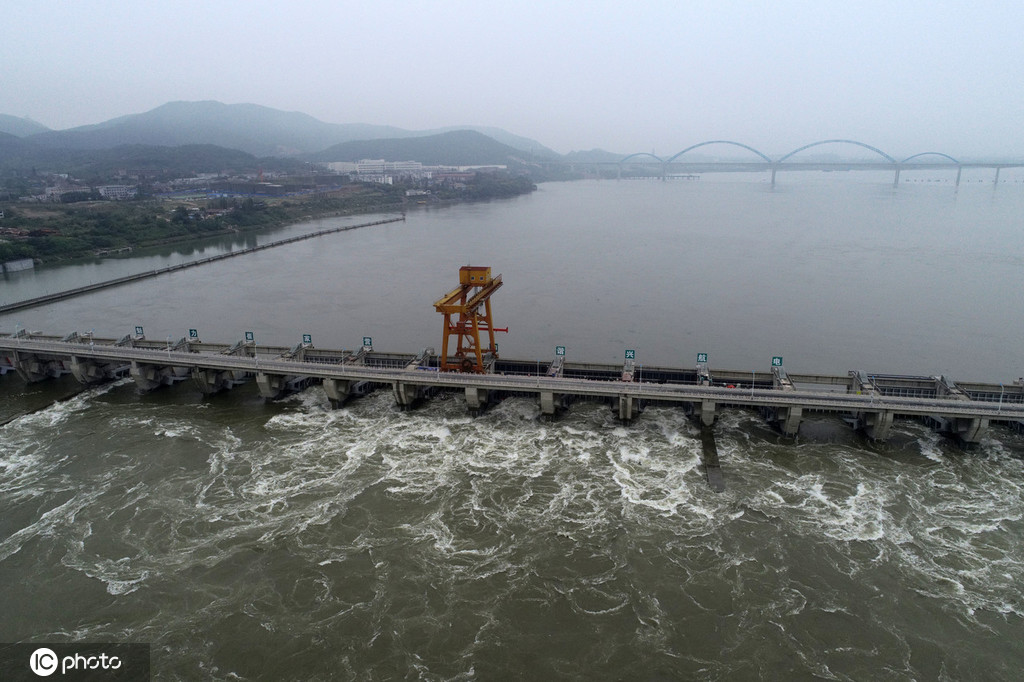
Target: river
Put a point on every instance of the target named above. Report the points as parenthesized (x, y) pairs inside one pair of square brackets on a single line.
[(253, 540)]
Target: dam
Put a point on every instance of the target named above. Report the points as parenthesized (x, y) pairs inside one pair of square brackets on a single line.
[(869, 402)]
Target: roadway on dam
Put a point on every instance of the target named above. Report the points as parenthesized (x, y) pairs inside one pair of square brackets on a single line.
[(665, 392)]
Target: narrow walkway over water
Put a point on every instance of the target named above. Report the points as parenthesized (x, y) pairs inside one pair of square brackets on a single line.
[(78, 291)]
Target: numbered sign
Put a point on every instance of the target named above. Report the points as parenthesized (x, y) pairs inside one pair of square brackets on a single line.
[(249, 336), (138, 331), (193, 334), (630, 354), (307, 338), (702, 358), (777, 361), (560, 351)]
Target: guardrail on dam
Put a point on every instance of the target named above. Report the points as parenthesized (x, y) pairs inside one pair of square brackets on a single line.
[(869, 402)]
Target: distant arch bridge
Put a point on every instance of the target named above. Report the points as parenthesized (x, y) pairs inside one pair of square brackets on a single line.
[(764, 162)]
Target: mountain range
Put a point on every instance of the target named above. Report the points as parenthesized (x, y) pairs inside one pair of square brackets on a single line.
[(254, 129)]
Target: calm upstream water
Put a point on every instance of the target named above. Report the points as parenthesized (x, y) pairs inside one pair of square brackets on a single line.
[(253, 540)]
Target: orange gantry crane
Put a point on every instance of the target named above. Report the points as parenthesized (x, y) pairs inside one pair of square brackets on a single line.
[(470, 303)]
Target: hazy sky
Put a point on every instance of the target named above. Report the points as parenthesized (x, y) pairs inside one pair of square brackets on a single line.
[(903, 75)]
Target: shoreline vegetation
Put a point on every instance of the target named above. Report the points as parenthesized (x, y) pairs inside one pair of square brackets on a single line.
[(49, 233)]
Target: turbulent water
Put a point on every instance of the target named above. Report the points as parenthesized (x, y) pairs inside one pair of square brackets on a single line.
[(253, 540)]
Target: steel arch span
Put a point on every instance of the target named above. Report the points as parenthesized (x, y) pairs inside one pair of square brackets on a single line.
[(627, 158), (704, 144), (854, 142), (945, 156)]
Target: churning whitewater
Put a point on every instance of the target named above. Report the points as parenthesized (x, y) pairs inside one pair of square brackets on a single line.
[(274, 538)]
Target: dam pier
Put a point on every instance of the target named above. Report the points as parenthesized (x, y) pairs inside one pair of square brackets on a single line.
[(869, 402)]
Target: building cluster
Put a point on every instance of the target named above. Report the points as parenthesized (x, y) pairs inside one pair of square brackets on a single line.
[(61, 187), (118, 192), (388, 172)]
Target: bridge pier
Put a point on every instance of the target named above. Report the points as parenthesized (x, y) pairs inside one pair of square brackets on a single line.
[(33, 368), (552, 404), (88, 371), (876, 425), (477, 400), (704, 411), (967, 430), (896, 178), (959, 172), (339, 391), (970, 431), (211, 381), (271, 386), (628, 408), (275, 386), (406, 395), (787, 419), (150, 377)]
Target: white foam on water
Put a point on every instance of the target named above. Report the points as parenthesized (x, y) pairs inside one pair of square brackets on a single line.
[(929, 441), (483, 510), (49, 524)]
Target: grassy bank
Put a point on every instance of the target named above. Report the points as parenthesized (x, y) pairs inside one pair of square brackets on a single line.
[(57, 232)]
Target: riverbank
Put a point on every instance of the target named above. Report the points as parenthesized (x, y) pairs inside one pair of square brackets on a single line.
[(66, 233), (184, 239), (48, 233)]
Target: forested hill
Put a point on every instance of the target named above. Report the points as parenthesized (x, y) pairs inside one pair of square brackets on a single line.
[(258, 130), (456, 148), (20, 127), (23, 157)]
